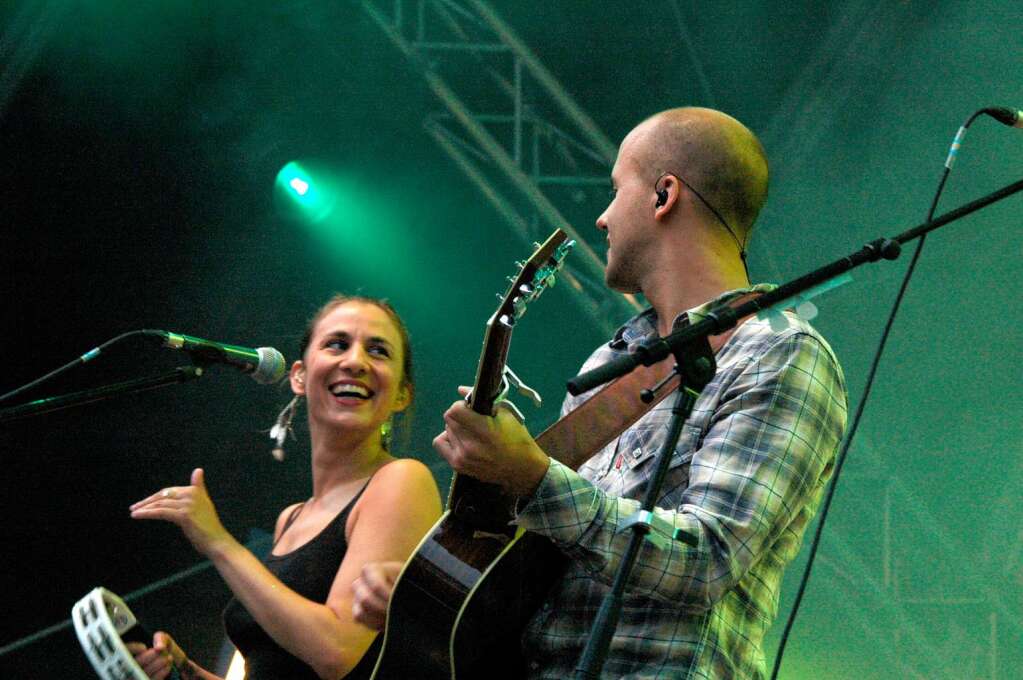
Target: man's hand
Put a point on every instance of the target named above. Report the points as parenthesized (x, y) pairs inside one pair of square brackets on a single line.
[(372, 592), (495, 449)]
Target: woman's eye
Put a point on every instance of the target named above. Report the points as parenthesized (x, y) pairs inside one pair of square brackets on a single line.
[(338, 344), (379, 349)]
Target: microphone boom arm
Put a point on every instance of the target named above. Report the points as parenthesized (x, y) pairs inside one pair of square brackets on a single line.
[(722, 318), (102, 393)]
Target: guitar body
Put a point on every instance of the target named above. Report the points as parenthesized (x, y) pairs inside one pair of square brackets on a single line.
[(462, 601)]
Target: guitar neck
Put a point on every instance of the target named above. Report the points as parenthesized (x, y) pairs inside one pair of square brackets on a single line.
[(484, 504), (490, 371)]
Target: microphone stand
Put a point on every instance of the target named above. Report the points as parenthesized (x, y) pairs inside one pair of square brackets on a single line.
[(695, 365), (723, 317), (50, 404)]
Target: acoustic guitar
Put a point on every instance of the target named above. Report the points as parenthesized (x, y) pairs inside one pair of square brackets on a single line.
[(462, 599)]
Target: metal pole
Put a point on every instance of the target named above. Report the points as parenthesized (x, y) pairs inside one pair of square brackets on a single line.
[(548, 82)]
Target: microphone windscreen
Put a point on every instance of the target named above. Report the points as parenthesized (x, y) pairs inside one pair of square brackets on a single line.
[(271, 366)]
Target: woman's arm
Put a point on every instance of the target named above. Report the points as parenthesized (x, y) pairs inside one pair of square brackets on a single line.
[(396, 510)]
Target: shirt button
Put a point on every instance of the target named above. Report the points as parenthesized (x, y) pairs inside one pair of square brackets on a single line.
[(534, 665)]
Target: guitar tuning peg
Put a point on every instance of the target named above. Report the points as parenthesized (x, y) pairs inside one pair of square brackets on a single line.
[(536, 246), (526, 289), (510, 279), (499, 297)]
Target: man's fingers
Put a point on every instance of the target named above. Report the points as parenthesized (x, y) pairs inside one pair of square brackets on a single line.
[(462, 415), (442, 445), (445, 446), (376, 593), (379, 578), (370, 619), (372, 601), (372, 593), (367, 608)]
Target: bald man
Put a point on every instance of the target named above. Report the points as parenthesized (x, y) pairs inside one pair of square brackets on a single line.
[(750, 467)]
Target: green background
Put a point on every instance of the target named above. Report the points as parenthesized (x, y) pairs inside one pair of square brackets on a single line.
[(139, 145)]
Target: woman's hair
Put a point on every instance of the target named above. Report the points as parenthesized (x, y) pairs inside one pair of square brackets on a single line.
[(338, 300)]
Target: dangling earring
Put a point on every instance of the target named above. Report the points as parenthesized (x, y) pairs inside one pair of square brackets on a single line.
[(282, 427), (385, 434)]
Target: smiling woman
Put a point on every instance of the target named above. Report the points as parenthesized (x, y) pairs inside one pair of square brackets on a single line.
[(291, 616), (369, 333)]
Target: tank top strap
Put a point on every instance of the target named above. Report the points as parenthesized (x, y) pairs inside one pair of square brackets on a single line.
[(341, 518), (295, 512)]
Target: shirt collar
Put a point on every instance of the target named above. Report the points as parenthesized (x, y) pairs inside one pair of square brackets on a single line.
[(644, 324)]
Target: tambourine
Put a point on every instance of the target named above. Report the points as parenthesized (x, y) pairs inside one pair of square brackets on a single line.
[(104, 624)]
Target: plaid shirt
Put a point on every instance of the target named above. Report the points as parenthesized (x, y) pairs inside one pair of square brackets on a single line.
[(746, 477)]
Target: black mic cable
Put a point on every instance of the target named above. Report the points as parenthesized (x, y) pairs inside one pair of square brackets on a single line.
[(1009, 117)]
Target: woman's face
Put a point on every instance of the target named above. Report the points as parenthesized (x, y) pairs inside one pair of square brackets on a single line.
[(351, 374)]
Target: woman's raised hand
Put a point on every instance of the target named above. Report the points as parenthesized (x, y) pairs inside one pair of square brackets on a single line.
[(191, 509)]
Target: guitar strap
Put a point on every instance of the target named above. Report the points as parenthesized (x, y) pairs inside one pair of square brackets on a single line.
[(596, 422)]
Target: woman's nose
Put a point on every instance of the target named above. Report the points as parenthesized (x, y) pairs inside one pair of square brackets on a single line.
[(354, 359)]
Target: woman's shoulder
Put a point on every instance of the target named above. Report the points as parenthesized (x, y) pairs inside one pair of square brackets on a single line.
[(403, 469), (401, 480)]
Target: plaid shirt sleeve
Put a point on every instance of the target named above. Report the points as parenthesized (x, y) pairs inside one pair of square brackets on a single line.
[(767, 435)]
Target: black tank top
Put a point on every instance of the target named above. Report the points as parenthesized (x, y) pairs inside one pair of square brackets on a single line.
[(309, 570)]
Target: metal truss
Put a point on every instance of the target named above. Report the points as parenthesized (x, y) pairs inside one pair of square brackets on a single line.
[(930, 613), (538, 159)]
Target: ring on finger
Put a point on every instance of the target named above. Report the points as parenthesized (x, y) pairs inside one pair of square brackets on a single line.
[(168, 493)]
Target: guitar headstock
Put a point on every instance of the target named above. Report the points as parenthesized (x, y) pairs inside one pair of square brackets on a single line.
[(535, 275)]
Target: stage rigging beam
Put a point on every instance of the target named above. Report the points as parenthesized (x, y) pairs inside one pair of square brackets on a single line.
[(581, 159)]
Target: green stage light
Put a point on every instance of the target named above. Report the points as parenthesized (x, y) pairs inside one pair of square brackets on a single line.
[(300, 186), (306, 196), (366, 237)]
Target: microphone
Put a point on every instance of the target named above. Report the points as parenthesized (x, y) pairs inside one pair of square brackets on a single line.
[(1005, 116), (265, 364), (1010, 117)]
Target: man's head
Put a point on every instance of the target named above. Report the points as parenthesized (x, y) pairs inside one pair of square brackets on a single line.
[(688, 164)]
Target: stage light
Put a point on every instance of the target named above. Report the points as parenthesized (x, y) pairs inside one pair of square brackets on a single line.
[(303, 194), (301, 187)]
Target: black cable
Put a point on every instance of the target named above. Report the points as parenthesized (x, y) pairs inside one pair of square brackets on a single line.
[(88, 356), (840, 460)]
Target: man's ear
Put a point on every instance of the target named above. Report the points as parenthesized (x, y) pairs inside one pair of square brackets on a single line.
[(297, 377), (667, 195)]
